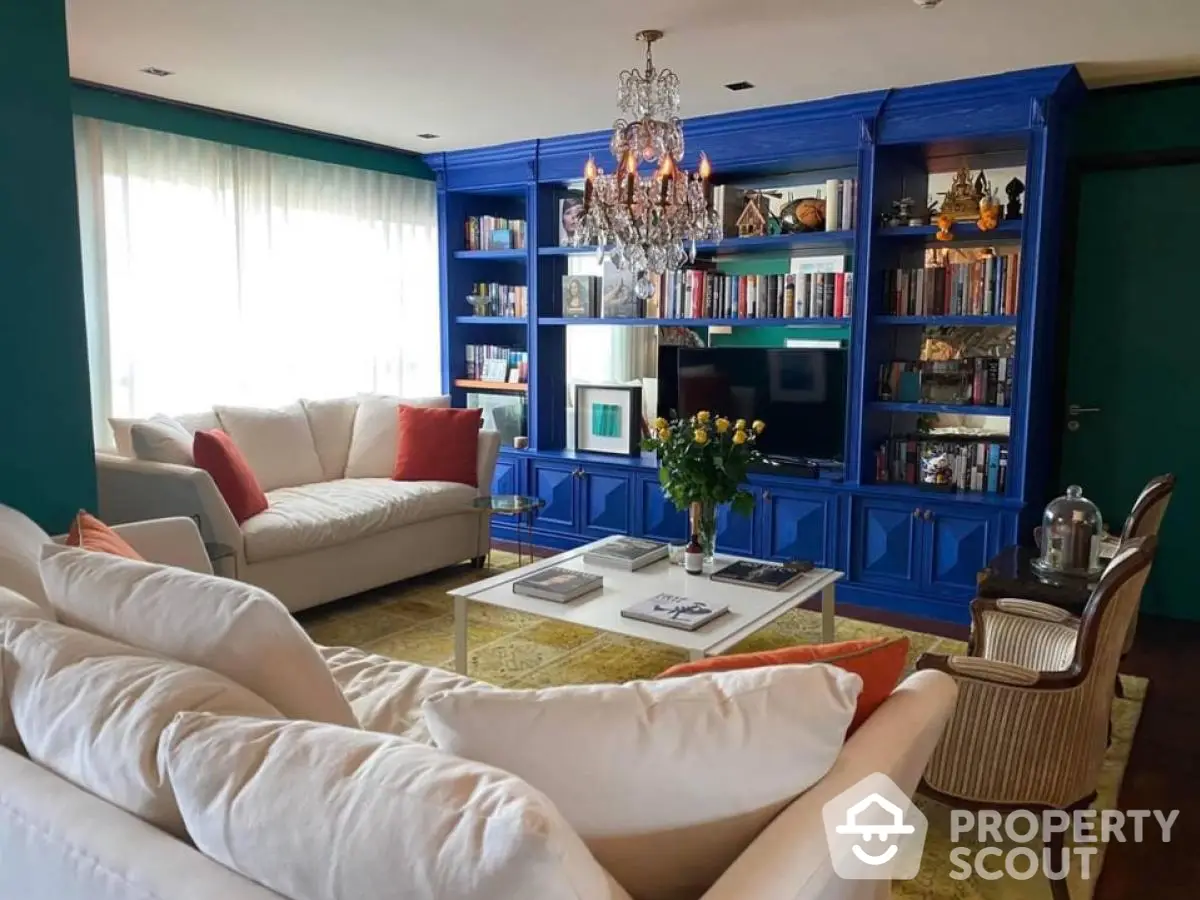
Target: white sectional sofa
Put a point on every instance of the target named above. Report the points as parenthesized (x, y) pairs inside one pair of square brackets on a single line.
[(59, 842), (332, 534)]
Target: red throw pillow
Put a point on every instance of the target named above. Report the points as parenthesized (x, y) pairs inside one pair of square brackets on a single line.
[(438, 444), (89, 533), (218, 455), (879, 661)]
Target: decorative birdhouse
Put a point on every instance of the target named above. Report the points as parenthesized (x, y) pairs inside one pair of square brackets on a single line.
[(753, 220)]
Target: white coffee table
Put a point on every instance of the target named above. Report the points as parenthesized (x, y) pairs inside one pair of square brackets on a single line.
[(750, 609)]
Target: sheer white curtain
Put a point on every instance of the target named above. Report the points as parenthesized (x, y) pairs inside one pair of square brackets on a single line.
[(216, 274)]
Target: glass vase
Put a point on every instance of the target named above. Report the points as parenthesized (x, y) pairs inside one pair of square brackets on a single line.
[(703, 524)]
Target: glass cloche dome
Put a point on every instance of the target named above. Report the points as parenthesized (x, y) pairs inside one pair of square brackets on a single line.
[(1072, 528)]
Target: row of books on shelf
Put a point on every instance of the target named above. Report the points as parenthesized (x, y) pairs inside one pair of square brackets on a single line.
[(963, 464), (488, 362), (505, 300), (979, 381), (700, 294), (495, 233), (989, 286)]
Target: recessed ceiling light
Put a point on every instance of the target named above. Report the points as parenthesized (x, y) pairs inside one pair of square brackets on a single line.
[(428, 136), (156, 72), (739, 85)]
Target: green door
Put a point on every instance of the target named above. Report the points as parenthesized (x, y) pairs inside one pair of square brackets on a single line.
[(1133, 372)]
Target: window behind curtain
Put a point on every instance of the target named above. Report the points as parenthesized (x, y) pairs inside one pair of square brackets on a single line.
[(221, 275)]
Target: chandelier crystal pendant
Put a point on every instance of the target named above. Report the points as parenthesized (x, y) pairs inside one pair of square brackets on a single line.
[(648, 225)]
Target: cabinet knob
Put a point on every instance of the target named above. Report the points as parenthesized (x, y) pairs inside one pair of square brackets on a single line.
[(766, 496), (928, 514), (916, 514)]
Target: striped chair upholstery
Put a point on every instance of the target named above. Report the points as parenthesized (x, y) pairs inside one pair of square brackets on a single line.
[(1145, 519), (1031, 726)]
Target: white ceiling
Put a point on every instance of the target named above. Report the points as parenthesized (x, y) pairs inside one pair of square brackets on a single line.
[(487, 71)]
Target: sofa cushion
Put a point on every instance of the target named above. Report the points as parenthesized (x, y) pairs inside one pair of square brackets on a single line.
[(438, 444), (376, 433), (21, 542), (316, 812), (331, 423), (219, 456), (666, 781), (192, 422), (277, 443), (163, 440), (878, 661), (14, 606), (92, 710), (386, 694), (89, 533), (233, 628), (312, 516)]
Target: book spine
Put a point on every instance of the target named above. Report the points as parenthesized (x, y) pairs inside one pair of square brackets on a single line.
[(839, 295), (832, 210)]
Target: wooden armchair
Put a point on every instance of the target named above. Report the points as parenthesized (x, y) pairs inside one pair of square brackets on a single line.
[(1035, 693)]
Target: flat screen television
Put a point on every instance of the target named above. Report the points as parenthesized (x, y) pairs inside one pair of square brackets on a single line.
[(799, 392)]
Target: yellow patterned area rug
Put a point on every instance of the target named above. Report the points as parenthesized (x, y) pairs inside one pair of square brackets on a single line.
[(414, 621)]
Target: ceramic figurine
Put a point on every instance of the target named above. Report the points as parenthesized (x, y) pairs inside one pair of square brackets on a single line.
[(1014, 189)]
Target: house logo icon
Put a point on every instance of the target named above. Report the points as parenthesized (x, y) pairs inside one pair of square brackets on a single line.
[(874, 831)]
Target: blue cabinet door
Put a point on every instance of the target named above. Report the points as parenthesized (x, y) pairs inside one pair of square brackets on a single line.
[(505, 480), (885, 542), (557, 485), (606, 503), (800, 525), (657, 516), (957, 544), (738, 534)]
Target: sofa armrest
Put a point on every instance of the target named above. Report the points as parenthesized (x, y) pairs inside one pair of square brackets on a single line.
[(790, 860), (489, 449), (132, 490), (169, 542)]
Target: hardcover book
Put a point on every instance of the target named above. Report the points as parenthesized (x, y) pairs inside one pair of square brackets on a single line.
[(626, 553), (618, 301), (557, 584), (579, 296), (674, 612), (760, 575)]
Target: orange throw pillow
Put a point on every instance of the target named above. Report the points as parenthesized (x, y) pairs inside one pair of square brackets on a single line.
[(218, 455), (879, 661), (438, 444), (89, 533)]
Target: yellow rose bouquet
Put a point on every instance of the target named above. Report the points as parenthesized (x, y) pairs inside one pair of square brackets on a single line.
[(702, 464)]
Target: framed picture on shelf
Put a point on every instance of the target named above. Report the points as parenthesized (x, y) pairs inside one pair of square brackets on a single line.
[(570, 211), (608, 418)]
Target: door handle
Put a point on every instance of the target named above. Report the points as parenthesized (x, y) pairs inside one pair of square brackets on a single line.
[(928, 515), (916, 514), (1075, 409)]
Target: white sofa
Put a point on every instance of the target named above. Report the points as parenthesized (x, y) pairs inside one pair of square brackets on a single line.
[(319, 540), (58, 842)]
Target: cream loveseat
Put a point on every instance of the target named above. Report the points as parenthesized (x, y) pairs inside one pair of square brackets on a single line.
[(337, 523), (59, 842)]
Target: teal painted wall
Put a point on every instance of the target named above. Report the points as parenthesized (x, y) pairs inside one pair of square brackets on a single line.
[(1164, 116), (47, 468), (212, 125)]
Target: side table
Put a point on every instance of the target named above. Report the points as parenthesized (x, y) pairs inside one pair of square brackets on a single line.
[(522, 509), (1010, 573)]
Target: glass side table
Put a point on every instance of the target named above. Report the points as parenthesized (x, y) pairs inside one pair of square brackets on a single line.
[(522, 509)]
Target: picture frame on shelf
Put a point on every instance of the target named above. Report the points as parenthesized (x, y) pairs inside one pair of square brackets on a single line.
[(608, 418), (579, 293), (570, 211), (618, 300)]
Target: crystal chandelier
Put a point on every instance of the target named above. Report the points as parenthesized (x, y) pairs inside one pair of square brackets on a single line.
[(648, 225)]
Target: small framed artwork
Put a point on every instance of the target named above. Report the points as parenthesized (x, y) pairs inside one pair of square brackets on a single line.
[(608, 418)]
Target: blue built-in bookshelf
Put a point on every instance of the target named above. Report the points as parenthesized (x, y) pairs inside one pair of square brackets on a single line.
[(906, 548)]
